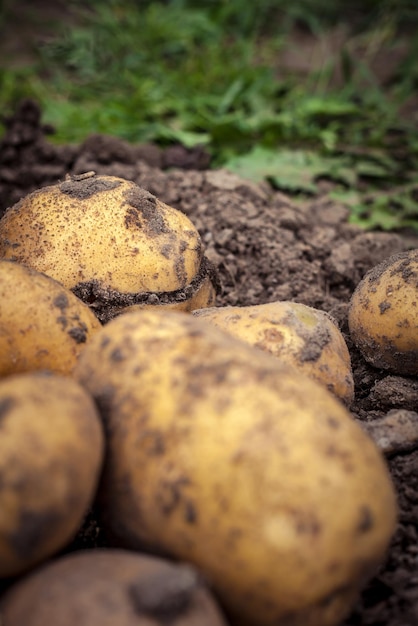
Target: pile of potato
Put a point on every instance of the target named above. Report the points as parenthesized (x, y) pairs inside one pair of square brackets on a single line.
[(231, 480)]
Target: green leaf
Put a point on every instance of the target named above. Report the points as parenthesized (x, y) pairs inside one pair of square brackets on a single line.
[(291, 170), (370, 169), (330, 107), (189, 139)]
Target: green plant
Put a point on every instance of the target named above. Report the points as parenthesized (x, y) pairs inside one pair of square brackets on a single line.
[(208, 73)]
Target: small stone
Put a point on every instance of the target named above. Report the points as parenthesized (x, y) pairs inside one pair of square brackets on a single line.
[(395, 433)]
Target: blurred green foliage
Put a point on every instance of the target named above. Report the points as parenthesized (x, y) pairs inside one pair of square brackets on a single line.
[(206, 73)]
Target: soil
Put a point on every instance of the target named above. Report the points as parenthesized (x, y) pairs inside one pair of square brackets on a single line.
[(265, 247)]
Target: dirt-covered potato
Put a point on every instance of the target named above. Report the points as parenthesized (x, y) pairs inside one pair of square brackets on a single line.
[(108, 240), (383, 314), (42, 324), (305, 337), (110, 588), (223, 456), (51, 450)]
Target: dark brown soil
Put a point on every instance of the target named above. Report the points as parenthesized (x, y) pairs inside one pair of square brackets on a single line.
[(265, 248)]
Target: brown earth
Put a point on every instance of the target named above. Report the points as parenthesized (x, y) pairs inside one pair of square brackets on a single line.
[(265, 248)]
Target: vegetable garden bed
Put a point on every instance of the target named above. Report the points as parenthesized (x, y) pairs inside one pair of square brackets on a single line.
[(266, 247)]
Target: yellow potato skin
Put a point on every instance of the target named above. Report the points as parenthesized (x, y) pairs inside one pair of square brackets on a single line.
[(71, 590), (104, 229), (51, 450), (300, 335), (383, 314), (203, 296), (42, 324), (223, 456)]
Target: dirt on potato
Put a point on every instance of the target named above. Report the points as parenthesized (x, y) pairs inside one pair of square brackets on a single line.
[(266, 248)]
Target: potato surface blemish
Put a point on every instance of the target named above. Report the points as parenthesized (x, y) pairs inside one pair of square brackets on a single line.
[(84, 188)]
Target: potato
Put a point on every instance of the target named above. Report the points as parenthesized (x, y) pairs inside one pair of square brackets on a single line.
[(109, 241), (110, 588), (383, 314), (42, 324), (51, 450), (305, 337), (227, 458)]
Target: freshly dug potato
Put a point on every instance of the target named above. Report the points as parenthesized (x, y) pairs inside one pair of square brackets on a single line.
[(383, 314), (51, 450), (42, 324), (109, 241), (110, 588), (305, 337), (225, 457)]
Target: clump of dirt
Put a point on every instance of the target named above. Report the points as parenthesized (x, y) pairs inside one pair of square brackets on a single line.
[(107, 303), (266, 248)]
